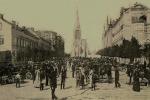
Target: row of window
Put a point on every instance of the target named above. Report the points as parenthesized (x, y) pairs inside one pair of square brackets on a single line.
[(24, 42), (1, 39)]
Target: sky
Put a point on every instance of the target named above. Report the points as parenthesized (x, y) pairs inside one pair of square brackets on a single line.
[(60, 16)]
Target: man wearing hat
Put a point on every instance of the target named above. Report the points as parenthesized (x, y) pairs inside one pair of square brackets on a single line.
[(63, 76), (53, 82), (41, 79)]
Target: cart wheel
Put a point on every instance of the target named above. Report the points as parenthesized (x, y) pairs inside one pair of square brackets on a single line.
[(10, 80), (3, 82), (28, 75)]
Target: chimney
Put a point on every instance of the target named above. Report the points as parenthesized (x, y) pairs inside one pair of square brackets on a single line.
[(1, 16), (17, 25), (14, 24)]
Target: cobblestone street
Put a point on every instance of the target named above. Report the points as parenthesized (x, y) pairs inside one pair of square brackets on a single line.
[(104, 91)]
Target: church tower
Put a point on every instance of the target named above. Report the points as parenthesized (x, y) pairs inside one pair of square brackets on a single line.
[(77, 30), (76, 38)]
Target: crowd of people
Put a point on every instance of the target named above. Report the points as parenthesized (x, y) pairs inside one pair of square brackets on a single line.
[(86, 71)]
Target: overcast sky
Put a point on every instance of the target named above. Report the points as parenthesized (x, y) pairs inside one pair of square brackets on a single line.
[(60, 16)]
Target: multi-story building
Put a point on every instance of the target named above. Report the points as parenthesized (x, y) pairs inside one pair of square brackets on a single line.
[(56, 40), (77, 47), (133, 21), (24, 44)]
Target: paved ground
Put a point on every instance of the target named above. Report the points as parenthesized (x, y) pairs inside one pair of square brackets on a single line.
[(104, 91)]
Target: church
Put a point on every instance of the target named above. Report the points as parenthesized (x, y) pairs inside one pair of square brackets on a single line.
[(80, 46)]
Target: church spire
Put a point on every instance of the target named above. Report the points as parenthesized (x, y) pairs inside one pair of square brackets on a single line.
[(107, 20), (77, 24)]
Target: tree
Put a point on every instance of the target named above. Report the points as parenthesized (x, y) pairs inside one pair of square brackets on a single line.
[(20, 55), (34, 54), (28, 52), (135, 49), (67, 55)]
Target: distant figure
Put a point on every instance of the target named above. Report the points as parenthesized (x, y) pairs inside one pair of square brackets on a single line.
[(33, 75), (91, 73), (18, 80), (94, 76), (109, 74), (78, 76), (117, 84), (53, 81), (63, 77), (41, 80), (136, 84), (37, 79), (73, 70), (82, 83)]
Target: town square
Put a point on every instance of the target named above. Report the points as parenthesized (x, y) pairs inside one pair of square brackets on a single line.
[(74, 50)]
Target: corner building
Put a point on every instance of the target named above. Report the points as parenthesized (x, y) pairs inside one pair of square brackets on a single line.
[(133, 21)]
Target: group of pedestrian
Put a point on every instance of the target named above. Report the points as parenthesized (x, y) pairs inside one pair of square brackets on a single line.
[(84, 70)]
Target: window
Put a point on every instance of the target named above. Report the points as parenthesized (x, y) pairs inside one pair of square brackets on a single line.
[(13, 40), (1, 39), (0, 26)]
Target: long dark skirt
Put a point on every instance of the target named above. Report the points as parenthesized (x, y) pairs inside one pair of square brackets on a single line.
[(136, 85)]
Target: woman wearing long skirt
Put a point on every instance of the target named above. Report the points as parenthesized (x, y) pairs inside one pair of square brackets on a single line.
[(37, 79), (91, 73), (82, 83), (136, 84)]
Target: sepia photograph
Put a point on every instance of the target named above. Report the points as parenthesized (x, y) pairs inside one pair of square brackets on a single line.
[(74, 50)]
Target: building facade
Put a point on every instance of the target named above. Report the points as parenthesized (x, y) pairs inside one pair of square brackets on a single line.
[(57, 42), (25, 44), (79, 47), (133, 21)]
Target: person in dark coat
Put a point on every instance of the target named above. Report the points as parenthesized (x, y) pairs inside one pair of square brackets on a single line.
[(53, 82), (33, 74), (46, 73), (82, 81), (109, 74), (41, 79), (59, 67), (73, 70), (93, 81), (63, 77), (117, 84), (78, 76), (136, 84), (130, 72)]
